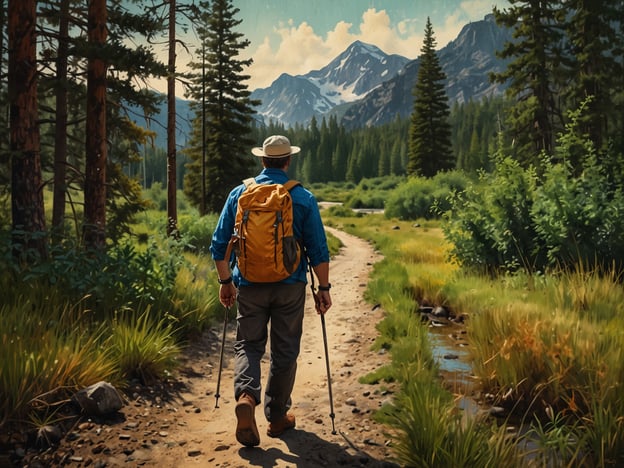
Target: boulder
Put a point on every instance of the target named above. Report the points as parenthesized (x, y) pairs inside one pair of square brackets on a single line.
[(99, 399)]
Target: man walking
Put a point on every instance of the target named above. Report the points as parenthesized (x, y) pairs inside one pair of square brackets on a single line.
[(281, 303)]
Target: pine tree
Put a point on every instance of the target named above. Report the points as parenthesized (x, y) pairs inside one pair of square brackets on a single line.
[(323, 162), (309, 144), (96, 149), (430, 132), (227, 108), (172, 200), (536, 117), (596, 70), (62, 64), (25, 142)]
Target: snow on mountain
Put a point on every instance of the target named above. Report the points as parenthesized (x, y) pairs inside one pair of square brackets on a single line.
[(467, 63), (347, 78), (369, 87)]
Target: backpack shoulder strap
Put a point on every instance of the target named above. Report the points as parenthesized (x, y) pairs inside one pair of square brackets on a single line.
[(291, 184)]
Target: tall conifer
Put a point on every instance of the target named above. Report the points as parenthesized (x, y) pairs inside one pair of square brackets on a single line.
[(597, 67), (536, 62), (430, 132), (228, 108), (27, 206)]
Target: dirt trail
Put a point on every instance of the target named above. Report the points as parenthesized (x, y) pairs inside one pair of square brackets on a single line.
[(177, 425), (350, 326)]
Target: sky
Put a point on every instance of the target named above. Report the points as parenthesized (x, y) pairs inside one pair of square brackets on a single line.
[(298, 36)]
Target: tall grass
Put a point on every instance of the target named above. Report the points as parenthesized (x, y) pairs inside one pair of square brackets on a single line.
[(139, 305), (431, 432), (77, 318), (550, 347), (143, 345), (47, 351), (423, 421)]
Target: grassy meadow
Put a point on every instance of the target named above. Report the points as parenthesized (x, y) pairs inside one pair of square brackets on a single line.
[(547, 348)]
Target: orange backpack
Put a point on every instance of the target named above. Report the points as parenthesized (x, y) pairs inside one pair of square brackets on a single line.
[(264, 243)]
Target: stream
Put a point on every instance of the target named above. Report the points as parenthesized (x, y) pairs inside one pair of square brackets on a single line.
[(450, 350)]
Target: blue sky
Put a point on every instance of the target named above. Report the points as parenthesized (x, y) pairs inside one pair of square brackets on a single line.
[(297, 36)]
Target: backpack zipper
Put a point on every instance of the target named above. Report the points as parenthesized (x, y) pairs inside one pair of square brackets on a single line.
[(278, 221)]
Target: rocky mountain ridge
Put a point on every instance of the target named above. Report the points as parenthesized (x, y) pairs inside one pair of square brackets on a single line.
[(347, 78), (367, 87)]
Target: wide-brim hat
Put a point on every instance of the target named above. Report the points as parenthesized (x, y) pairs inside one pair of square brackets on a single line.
[(275, 146)]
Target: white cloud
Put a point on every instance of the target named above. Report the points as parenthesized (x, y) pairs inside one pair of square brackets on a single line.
[(301, 49), (297, 48)]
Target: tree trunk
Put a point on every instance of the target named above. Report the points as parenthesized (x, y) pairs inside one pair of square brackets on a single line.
[(60, 137), (202, 205), (25, 145), (94, 230), (172, 215), (4, 118)]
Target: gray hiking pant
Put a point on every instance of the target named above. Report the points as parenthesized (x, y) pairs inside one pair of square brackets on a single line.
[(283, 306)]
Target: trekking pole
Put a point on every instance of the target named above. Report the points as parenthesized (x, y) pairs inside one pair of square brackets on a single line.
[(225, 320), (331, 398), (317, 305)]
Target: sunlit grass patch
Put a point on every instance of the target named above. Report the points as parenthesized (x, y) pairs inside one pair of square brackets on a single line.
[(143, 344), (429, 284), (195, 298), (589, 294), (47, 351), (428, 429), (333, 243), (535, 358), (424, 246)]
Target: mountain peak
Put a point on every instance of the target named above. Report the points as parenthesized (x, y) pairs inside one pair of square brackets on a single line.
[(348, 77), (375, 87), (364, 47), (467, 62)]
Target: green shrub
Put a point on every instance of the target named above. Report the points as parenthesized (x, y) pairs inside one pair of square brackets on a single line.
[(489, 224), (412, 200), (122, 276), (577, 218), (157, 194), (366, 200), (331, 191), (372, 193), (420, 197), (197, 231), (515, 218)]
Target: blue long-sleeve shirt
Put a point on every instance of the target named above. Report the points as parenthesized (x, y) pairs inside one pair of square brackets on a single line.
[(307, 226)]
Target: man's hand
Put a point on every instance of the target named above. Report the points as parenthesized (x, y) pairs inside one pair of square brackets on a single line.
[(322, 301), (227, 294)]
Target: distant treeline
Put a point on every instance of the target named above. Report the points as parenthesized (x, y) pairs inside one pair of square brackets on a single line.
[(330, 153)]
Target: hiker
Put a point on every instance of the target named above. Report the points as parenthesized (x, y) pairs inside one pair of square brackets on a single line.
[(280, 302)]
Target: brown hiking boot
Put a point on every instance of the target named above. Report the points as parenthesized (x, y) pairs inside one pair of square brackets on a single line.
[(246, 429), (277, 428)]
